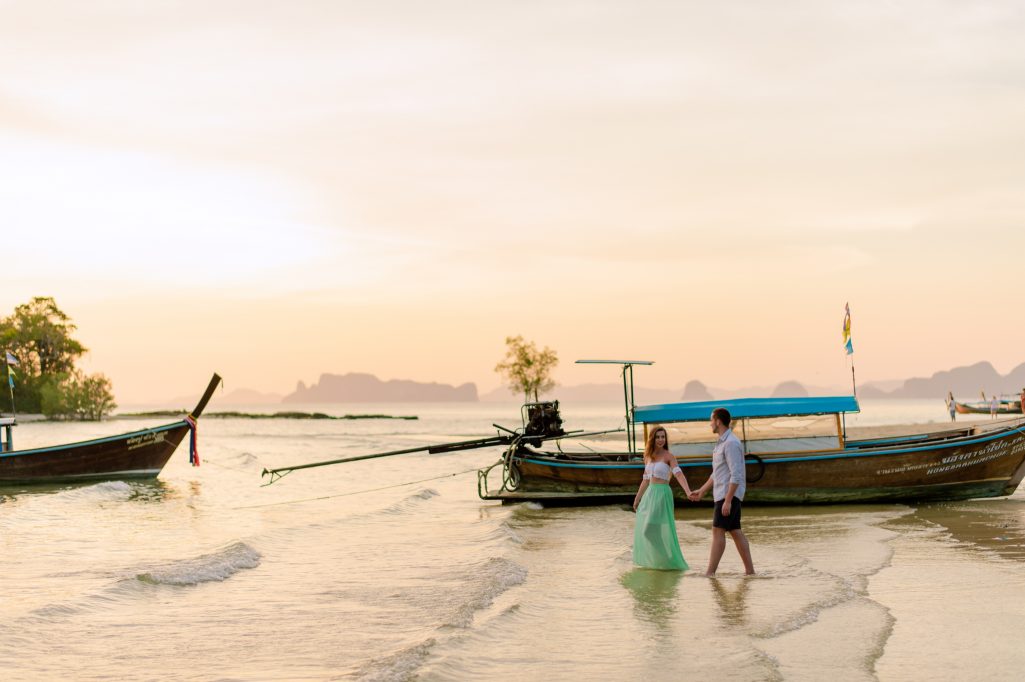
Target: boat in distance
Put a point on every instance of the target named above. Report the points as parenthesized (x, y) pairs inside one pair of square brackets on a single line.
[(134, 455), (1004, 406), (797, 452)]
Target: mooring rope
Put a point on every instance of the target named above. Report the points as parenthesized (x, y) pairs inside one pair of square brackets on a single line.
[(356, 492)]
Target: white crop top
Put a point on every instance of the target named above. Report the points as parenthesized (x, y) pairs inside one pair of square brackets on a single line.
[(659, 470)]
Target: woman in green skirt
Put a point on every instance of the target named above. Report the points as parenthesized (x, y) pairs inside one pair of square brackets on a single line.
[(655, 542)]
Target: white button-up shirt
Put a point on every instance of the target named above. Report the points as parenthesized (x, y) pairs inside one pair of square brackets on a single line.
[(728, 466)]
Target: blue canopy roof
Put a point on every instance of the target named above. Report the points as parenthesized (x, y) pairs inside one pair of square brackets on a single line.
[(746, 407)]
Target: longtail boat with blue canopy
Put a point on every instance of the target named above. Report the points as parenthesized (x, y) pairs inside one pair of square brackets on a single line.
[(138, 454), (797, 451)]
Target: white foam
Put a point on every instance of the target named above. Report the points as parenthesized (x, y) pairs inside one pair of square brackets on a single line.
[(409, 502), (214, 567), (848, 638), (113, 490), (110, 486), (497, 575), (399, 666)]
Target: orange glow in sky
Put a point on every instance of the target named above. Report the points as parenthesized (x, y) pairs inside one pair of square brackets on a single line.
[(273, 191)]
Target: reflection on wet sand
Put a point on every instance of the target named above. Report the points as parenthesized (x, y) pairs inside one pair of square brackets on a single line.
[(732, 600), (655, 594), (991, 525), (785, 525)]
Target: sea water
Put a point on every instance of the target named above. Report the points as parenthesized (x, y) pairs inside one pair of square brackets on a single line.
[(394, 569)]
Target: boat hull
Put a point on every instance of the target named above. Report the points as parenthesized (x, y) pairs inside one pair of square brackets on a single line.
[(988, 464), (984, 408), (139, 454)]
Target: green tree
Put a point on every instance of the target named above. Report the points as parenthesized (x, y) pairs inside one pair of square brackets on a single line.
[(39, 334), (527, 369), (77, 396)]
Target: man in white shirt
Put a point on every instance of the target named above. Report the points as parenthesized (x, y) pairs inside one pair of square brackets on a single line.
[(728, 481)]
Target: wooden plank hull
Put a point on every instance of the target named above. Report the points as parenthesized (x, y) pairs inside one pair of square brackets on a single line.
[(139, 454), (981, 465)]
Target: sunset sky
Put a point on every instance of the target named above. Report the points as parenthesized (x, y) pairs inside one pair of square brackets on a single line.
[(275, 190)]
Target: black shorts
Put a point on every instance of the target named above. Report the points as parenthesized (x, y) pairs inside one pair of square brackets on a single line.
[(731, 522)]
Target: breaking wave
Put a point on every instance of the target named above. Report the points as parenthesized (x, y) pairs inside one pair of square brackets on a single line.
[(401, 665), (483, 584), (410, 502), (214, 567), (106, 490), (246, 459), (109, 487), (492, 579)]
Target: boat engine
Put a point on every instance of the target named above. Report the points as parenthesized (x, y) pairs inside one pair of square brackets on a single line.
[(542, 419)]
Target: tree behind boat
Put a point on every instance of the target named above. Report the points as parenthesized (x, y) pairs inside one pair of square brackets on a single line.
[(39, 335)]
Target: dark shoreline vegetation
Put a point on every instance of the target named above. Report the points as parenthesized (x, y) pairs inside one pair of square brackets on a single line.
[(258, 415)]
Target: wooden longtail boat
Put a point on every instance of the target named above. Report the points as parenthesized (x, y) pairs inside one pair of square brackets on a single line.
[(792, 457), (139, 454), (797, 451)]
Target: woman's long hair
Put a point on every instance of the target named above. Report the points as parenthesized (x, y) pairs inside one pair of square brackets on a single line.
[(649, 447)]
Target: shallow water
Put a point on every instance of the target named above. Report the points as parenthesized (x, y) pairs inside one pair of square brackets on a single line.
[(203, 574)]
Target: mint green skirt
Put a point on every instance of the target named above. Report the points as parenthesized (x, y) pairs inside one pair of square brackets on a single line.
[(655, 541)]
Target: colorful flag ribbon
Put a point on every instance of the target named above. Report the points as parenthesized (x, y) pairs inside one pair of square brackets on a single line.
[(847, 342), (11, 360), (193, 449)]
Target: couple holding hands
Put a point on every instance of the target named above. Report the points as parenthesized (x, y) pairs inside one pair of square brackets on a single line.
[(656, 544)]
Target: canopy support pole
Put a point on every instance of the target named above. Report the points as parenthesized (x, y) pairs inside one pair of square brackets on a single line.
[(629, 405)]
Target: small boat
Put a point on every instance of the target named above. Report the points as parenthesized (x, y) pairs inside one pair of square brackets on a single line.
[(139, 454), (1004, 406)]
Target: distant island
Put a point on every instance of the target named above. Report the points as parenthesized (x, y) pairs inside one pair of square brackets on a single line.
[(694, 390), (260, 415), (366, 388), (964, 382)]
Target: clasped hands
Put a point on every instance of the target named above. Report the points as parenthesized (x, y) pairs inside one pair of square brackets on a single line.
[(692, 495)]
